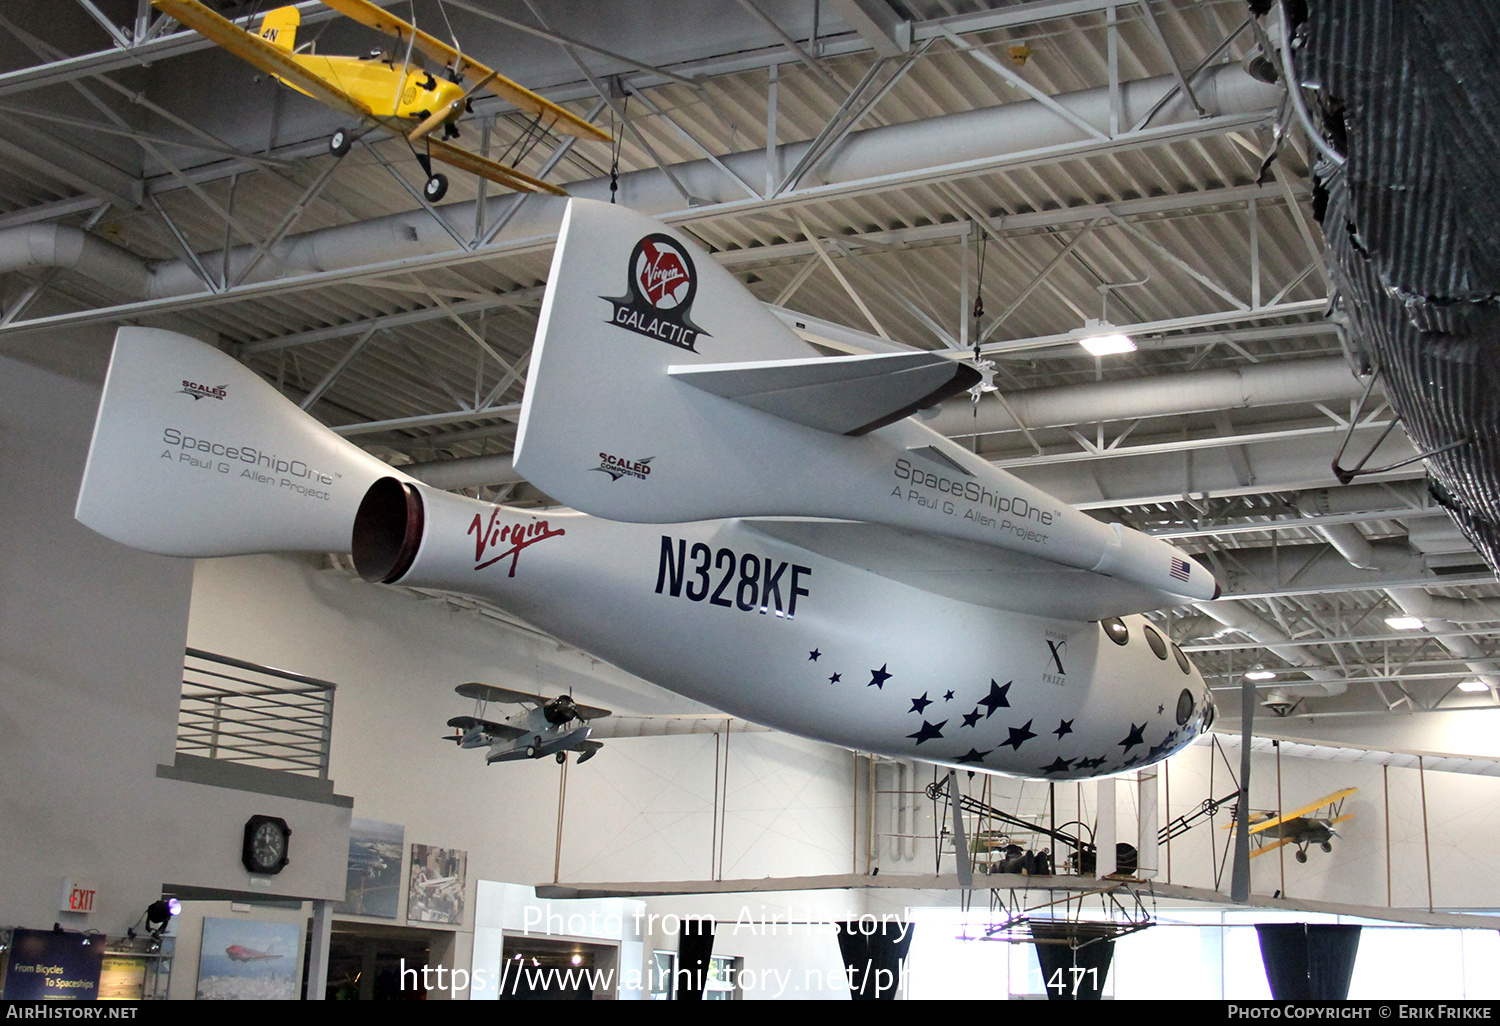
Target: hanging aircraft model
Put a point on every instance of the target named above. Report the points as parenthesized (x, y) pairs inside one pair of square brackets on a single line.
[(1298, 827), (545, 726), (762, 528), (387, 90)]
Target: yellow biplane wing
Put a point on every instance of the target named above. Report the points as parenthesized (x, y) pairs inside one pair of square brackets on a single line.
[(500, 174), (552, 116), (271, 59), (1257, 825), (1273, 845)]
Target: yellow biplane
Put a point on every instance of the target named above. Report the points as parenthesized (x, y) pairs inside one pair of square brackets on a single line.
[(386, 90), (1298, 827)]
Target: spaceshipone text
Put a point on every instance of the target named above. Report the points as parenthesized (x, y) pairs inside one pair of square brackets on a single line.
[(971, 500), (252, 463), (745, 580)]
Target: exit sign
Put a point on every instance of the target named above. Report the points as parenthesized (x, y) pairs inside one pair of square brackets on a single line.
[(76, 896)]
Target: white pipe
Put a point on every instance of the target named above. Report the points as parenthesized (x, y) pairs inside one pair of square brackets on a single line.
[(1233, 614), (1231, 388), (969, 136)]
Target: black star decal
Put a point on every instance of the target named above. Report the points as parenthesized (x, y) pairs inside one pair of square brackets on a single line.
[(919, 704), (972, 718), (1018, 736), (928, 731), (1057, 765), (996, 698), (972, 756), (835, 678), (1063, 727), (813, 655), (878, 678), (1160, 709), (1091, 763), (1134, 737), (948, 697), (1133, 760)]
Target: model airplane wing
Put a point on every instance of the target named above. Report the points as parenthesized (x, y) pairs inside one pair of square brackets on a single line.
[(1327, 799), (845, 395), (490, 727), (490, 693), (672, 726), (552, 116), (253, 50), (500, 174)]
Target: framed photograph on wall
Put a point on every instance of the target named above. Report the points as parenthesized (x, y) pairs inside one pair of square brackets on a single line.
[(436, 894)]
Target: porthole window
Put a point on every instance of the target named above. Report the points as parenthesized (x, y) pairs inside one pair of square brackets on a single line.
[(1184, 707), (1116, 630), (1156, 641), (1209, 710), (1182, 660)]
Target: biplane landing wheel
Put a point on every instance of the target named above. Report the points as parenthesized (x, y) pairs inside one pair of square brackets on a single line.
[(339, 142), (436, 188), (1302, 856), (532, 752), (1326, 846), (562, 757)]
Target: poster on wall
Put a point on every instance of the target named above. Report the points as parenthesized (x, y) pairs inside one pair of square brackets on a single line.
[(436, 894), (249, 960), (373, 885), (123, 978), (53, 966)]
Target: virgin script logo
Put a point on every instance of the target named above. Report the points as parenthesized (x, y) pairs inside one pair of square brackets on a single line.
[(489, 536)]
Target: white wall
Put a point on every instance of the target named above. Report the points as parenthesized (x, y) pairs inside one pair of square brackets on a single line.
[(91, 640)]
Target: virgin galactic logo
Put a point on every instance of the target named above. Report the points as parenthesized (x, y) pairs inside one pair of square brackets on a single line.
[(663, 284)]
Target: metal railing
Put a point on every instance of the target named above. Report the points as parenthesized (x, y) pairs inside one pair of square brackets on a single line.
[(254, 715)]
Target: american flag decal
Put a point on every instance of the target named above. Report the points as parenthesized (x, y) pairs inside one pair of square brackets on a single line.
[(1180, 569)]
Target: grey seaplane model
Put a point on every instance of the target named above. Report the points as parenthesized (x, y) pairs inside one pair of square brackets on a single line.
[(544, 726), (753, 524)]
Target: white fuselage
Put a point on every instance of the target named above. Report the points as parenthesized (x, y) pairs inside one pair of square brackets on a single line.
[(731, 616)]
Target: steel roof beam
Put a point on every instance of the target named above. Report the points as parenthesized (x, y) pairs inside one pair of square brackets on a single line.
[(877, 23)]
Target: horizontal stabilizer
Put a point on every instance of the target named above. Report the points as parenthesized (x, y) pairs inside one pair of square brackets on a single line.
[(844, 395), (194, 455)]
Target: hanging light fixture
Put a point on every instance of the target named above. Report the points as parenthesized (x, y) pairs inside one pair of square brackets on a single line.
[(1102, 338)]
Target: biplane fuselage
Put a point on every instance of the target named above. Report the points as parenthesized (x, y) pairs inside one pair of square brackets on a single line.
[(384, 86)]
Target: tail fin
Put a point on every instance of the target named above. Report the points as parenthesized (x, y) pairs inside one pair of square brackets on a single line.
[(194, 455), (652, 362), (279, 27)]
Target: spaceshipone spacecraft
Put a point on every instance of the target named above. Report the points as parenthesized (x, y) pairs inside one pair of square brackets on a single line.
[(747, 522)]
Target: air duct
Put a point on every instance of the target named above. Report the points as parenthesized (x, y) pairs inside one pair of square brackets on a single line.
[(963, 142), (1232, 614), (1230, 388)]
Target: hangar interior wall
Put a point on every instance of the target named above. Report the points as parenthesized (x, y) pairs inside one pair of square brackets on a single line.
[(91, 639)]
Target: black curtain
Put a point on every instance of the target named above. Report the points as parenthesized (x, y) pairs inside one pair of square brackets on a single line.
[(1308, 962), (1071, 973), (873, 953), (695, 947)]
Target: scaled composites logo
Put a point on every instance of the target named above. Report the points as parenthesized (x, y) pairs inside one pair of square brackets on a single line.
[(660, 301), (618, 466), (198, 391)]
